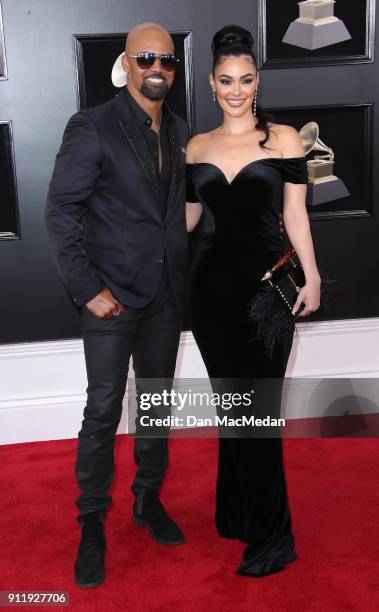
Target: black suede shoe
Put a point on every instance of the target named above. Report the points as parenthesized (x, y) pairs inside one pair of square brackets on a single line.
[(89, 564), (149, 512)]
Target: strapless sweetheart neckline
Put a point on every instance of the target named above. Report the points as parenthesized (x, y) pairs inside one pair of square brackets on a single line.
[(255, 161)]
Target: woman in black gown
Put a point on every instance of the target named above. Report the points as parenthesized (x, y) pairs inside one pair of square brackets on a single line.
[(247, 172)]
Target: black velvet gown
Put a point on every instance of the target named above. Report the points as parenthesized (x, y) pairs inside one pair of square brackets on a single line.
[(251, 500)]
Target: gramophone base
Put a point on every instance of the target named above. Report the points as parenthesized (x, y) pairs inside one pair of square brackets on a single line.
[(319, 193), (310, 36)]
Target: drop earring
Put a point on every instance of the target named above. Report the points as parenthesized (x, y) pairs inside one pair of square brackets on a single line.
[(214, 96), (255, 102)]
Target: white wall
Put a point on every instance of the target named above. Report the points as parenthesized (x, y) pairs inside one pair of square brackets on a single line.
[(42, 385)]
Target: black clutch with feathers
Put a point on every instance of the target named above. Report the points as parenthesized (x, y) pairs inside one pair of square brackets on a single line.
[(270, 311)]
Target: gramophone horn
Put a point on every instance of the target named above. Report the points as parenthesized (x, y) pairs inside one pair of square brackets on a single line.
[(309, 135)]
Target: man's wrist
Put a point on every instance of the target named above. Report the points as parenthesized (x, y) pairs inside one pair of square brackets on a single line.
[(81, 298)]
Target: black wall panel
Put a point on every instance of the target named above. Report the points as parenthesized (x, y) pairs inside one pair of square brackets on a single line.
[(40, 95)]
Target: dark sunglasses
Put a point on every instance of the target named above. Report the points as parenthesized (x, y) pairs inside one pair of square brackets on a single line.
[(146, 60)]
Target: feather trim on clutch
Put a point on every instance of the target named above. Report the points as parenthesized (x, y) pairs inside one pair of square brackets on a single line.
[(270, 311)]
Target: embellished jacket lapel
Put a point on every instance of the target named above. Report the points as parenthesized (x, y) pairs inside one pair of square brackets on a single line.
[(137, 141), (174, 147)]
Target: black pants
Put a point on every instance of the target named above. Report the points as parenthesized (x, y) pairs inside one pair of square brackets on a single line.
[(151, 336)]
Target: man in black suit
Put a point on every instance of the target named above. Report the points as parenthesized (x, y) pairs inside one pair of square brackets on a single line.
[(116, 222)]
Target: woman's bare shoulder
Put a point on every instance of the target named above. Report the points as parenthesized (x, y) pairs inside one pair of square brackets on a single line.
[(196, 145), (288, 139)]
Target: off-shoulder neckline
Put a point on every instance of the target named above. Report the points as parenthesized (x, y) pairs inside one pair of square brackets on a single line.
[(254, 161)]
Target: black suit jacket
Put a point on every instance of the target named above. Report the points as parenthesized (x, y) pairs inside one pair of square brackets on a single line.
[(104, 214)]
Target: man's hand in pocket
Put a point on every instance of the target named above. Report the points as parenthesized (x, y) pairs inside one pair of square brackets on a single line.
[(104, 305)]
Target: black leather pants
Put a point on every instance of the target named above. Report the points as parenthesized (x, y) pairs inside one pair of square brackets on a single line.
[(151, 336)]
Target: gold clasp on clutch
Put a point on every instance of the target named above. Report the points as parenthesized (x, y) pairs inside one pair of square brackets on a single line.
[(293, 282), (267, 276)]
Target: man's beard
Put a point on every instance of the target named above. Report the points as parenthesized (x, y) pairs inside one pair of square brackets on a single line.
[(154, 92)]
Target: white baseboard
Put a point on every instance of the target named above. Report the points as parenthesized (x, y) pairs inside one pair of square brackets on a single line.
[(42, 384)]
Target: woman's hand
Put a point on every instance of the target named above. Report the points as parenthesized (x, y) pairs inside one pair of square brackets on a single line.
[(194, 211), (309, 295)]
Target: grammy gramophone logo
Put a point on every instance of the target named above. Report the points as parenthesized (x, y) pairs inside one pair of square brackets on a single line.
[(316, 26), (323, 184)]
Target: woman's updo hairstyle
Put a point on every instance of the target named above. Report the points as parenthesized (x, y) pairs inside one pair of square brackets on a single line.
[(233, 41)]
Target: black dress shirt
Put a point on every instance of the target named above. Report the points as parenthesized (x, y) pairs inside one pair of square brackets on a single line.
[(152, 140)]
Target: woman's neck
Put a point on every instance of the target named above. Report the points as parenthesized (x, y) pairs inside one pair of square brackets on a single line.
[(238, 125)]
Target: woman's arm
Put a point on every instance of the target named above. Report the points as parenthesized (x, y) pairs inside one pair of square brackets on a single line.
[(193, 213), (193, 208), (296, 223), (297, 226)]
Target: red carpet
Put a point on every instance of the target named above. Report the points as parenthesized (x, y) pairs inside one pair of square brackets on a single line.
[(334, 498)]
